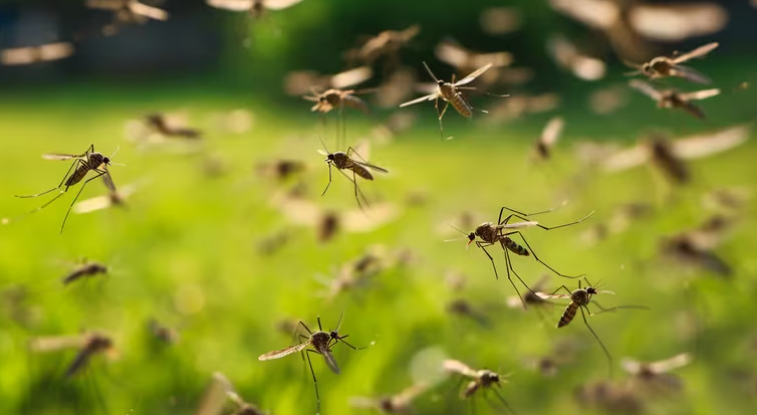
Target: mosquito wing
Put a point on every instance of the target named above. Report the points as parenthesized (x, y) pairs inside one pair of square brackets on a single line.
[(371, 166), (599, 14), (351, 77), (54, 343), (646, 89), (429, 97), (700, 51), (363, 402), (404, 398), (625, 159), (518, 225), (330, 361), (699, 95), (545, 296), (690, 74), (552, 131), (358, 221), (704, 145), (93, 204), (232, 5), (108, 180), (148, 11), (631, 366), (674, 362), (468, 79), (55, 51), (284, 352), (677, 22), (214, 398), (61, 156), (279, 4), (450, 52), (456, 366)]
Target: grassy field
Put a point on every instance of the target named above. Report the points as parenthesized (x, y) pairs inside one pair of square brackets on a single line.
[(185, 252)]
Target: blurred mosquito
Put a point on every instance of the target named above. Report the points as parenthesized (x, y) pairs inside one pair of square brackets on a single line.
[(393, 404), (218, 393), (387, 43), (484, 380), (168, 127), (549, 137), (670, 98), (664, 66), (691, 252), (344, 161), (492, 234), (563, 352), (464, 308), (653, 375), (35, 54), (113, 198), (579, 300), (87, 269), (610, 397), (280, 169), (568, 56), (450, 93), (467, 61), (669, 156), (89, 345), (338, 99), (162, 332), (90, 160), (321, 343), (126, 12)]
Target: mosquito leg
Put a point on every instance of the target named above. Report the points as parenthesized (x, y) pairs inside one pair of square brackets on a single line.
[(96, 391), (354, 185), (542, 262), (562, 287), (504, 402), (547, 228), (441, 127), (509, 267), (339, 323), (472, 403), (99, 173), (319, 323), (527, 214), (612, 309), (329, 183), (357, 189), (482, 246), (604, 349), (74, 164), (315, 382)]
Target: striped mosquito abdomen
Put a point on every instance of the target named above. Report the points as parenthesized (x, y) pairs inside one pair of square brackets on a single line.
[(514, 247), (568, 314), (472, 387), (77, 175), (361, 171), (355, 102), (456, 99)]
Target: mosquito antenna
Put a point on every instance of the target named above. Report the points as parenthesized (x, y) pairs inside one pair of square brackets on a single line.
[(115, 152), (339, 323), (429, 72), (453, 227), (324, 144)]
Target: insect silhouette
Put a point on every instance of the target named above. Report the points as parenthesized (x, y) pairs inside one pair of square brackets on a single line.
[(90, 160), (393, 404), (321, 343), (337, 99), (387, 43), (579, 300), (344, 161), (654, 376), (567, 55), (549, 137), (163, 125), (670, 98), (88, 269), (664, 66), (467, 61), (115, 198), (218, 393), (483, 380), (500, 233), (126, 12), (89, 345), (35, 54), (451, 94)]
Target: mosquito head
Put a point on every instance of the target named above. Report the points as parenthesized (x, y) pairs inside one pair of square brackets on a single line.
[(647, 68), (106, 160), (330, 157), (591, 290), (471, 237), (440, 83)]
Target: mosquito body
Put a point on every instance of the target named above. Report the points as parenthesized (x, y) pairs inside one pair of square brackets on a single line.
[(500, 233), (320, 343), (394, 404), (83, 164), (86, 270), (337, 99), (579, 300), (88, 345), (670, 98), (483, 380), (451, 94), (549, 136), (218, 393), (654, 375), (162, 125), (664, 66), (344, 161), (387, 43)]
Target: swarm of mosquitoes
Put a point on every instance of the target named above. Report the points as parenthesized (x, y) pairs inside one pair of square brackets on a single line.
[(629, 27)]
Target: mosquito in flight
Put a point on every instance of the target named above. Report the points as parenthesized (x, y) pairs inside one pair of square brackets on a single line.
[(450, 93), (90, 160), (664, 66), (549, 136), (482, 380), (87, 269), (500, 233), (670, 98), (321, 343), (126, 12), (579, 300), (216, 395), (89, 345), (655, 374), (344, 161), (394, 404)]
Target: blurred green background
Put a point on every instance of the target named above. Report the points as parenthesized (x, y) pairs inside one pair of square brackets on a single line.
[(186, 250)]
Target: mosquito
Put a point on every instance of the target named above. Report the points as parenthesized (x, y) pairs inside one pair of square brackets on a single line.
[(165, 126), (90, 160), (162, 332), (87, 269), (466, 61), (89, 345), (549, 136), (670, 98), (450, 93), (483, 379), (387, 43), (464, 308), (321, 343), (655, 374), (344, 161), (579, 300), (393, 404), (113, 198), (126, 12), (500, 233), (664, 66), (218, 393)]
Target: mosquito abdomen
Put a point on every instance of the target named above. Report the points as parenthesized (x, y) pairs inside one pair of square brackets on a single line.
[(78, 174), (514, 247), (568, 314), (362, 171)]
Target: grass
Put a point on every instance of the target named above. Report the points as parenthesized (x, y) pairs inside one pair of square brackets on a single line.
[(185, 253)]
